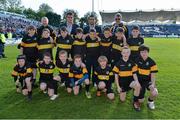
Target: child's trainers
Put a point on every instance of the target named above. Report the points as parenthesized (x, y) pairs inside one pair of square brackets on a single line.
[(88, 95), (54, 97)]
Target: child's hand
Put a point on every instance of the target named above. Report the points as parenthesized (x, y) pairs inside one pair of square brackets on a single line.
[(85, 35), (83, 65), (70, 59), (76, 83), (17, 82)]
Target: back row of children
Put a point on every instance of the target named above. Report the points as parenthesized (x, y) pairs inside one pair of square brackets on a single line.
[(100, 58)]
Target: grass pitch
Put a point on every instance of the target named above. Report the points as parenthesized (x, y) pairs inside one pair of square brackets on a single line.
[(165, 51)]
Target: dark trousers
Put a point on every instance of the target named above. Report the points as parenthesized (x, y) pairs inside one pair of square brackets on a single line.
[(1, 49)]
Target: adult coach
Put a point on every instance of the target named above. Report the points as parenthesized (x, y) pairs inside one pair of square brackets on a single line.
[(92, 24), (45, 24), (69, 24), (118, 23)]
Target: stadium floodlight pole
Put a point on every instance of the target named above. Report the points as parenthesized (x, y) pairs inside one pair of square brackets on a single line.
[(92, 5)]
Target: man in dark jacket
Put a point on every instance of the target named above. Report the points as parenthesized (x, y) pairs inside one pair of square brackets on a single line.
[(69, 24), (92, 20)]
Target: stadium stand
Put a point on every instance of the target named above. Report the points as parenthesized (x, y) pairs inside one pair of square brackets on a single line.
[(152, 23), (160, 15), (16, 22)]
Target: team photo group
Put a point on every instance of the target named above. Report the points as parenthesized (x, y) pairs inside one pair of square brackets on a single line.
[(112, 60)]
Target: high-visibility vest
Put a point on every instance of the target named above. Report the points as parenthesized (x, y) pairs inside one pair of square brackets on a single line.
[(2, 38), (9, 35)]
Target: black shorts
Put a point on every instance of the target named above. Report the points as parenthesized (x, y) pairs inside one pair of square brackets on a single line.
[(108, 85), (46, 80), (23, 83), (145, 83), (66, 80), (124, 83), (53, 84)]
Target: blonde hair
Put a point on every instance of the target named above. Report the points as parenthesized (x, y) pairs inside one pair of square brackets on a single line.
[(102, 58), (63, 52)]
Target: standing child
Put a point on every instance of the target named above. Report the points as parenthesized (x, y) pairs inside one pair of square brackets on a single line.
[(147, 70), (106, 43), (45, 44), (118, 42), (29, 49), (64, 42), (104, 77), (92, 54), (126, 77), (79, 74), (22, 74), (79, 44), (134, 41)]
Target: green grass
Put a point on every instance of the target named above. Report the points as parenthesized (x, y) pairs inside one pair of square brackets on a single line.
[(165, 51)]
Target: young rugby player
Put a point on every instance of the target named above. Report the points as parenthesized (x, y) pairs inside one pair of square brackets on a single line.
[(79, 44), (147, 70), (64, 42), (92, 54), (47, 83), (104, 77), (22, 74), (134, 41), (78, 74), (106, 43), (45, 44), (29, 49), (126, 77), (118, 42), (63, 65)]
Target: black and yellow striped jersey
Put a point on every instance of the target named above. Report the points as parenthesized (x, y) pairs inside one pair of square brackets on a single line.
[(146, 67), (44, 43), (25, 71), (77, 73), (29, 45), (46, 70), (64, 43), (79, 47), (103, 74), (117, 44), (29, 41), (92, 46), (63, 68), (125, 68), (105, 42), (134, 43)]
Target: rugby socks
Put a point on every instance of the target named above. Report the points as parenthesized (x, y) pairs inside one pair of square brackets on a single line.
[(55, 88), (135, 99), (150, 100), (87, 88), (29, 93)]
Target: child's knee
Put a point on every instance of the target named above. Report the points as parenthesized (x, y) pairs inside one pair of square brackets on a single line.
[(24, 91), (69, 90), (110, 96), (43, 86), (101, 85), (87, 82)]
